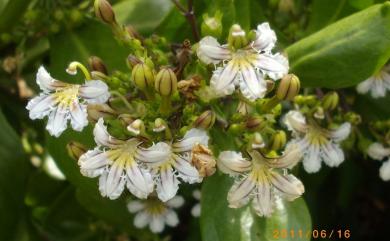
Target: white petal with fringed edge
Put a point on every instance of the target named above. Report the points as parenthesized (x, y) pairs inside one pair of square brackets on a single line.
[(377, 84)]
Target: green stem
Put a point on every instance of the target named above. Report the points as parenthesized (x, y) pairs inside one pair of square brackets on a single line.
[(123, 99), (77, 65), (165, 106), (270, 104)]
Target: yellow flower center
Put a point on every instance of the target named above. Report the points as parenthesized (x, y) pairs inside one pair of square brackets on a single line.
[(67, 95), (155, 206)]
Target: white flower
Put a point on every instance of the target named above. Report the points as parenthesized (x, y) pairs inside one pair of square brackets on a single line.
[(316, 143), (62, 102), (259, 179), (172, 161), (378, 152), (196, 209), (113, 160), (155, 213), (377, 84), (246, 67)]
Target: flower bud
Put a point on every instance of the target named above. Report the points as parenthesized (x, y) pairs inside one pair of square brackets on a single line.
[(97, 111), (205, 120), (212, 26), (132, 60), (104, 11), (166, 82), (243, 108), (75, 149), (319, 113), (288, 88), (203, 160), (98, 75), (330, 101), (142, 76), (257, 141), (159, 125), (278, 140), (136, 127), (96, 64), (237, 38), (353, 118), (255, 123)]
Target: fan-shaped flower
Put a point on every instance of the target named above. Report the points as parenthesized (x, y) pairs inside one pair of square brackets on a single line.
[(62, 102), (261, 179), (377, 84), (168, 162), (113, 160), (317, 144), (246, 67), (155, 213), (378, 152)]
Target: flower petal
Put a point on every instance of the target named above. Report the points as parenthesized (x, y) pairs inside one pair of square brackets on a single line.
[(196, 210), (139, 181), (252, 85), (111, 183), (102, 137), (58, 120), (342, 132), (175, 202), (263, 200), (289, 185), (78, 115), (134, 206), (190, 139), (186, 171), (295, 121), (94, 92), (384, 171), (312, 161), (93, 162), (46, 82), (157, 153), (167, 184), (291, 156), (231, 162), (377, 151), (265, 38), (157, 224), (40, 106), (273, 65), (171, 218), (210, 51), (224, 78), (332, 154), (239, 194), (142, 219), (365, 86)]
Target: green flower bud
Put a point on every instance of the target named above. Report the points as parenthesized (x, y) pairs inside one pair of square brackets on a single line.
[(278, 140), (97, 111), (159, 125), (319, 113), (125, 119), (104, 11), (142, 76), (75, 149), (257, 141), (96, 64), (237, 38), (235, 128), (166, 82), (136, 127), (288, 88), (353, 118), (330, 101), (205, 120), (255, 123), (212, 26), (99, 75)]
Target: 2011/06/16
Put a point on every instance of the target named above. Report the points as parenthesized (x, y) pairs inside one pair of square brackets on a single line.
[(315, 233)]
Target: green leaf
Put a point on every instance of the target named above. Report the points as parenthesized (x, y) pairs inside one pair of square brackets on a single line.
[(221, 223), (346, 52), (13, 174), (134, 12), (11, 12), (87, 193), (94, 38)]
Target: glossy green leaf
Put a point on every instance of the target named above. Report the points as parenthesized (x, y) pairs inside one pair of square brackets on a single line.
[(13, 175), (346, 52), (133, 12), (221, 223)]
